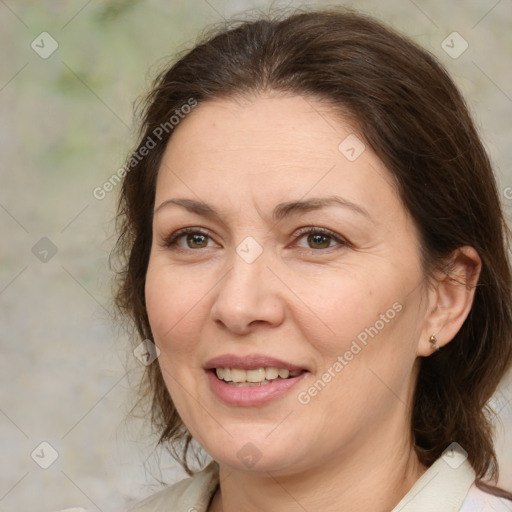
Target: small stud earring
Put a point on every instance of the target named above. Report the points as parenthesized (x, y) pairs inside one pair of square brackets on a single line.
[(433, 342)]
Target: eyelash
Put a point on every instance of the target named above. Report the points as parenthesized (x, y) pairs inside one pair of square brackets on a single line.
[(171, 241)]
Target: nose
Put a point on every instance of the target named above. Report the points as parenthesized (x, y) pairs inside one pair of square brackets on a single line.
[(248, 295)]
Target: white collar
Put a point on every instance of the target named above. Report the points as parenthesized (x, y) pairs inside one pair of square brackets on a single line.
[(442, 488)]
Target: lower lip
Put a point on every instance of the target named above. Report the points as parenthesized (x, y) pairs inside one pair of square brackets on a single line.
[(251, 395)]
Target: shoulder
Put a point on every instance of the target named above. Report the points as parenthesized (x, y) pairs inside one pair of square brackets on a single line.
[(480, 501), (193, 493)]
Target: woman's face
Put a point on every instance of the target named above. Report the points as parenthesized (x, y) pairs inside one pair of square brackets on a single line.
[(300, 257)]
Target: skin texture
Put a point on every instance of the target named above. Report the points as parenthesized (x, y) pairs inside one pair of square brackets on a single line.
[(303, 300)]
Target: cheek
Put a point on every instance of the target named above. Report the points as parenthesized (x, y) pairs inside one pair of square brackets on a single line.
[(176, 307), (340, 307), (360, 325), (175, 304)]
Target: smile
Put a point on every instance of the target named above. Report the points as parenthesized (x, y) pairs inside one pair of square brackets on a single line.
[(252, 394), (256, 377)]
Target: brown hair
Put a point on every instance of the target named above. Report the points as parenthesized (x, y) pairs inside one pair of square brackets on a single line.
[(405, 106)]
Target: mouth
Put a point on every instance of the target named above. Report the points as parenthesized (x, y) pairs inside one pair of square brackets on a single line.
[(252, 380), (255, 377)]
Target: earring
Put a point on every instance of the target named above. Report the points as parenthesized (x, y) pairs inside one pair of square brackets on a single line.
[(433, 342)]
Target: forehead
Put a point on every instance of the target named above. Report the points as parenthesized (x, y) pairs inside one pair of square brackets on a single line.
[(268, 145), (265, 128)]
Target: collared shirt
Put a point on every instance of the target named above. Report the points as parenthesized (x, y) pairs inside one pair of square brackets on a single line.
[(447, 486)]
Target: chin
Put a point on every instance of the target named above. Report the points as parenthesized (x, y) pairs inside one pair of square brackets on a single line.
[(249, 458)]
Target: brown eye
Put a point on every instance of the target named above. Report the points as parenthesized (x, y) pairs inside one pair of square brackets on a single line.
[(195, 240), (321, 238), (318, 241)]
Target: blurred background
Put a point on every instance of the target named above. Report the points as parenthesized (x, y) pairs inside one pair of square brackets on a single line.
[(70, 73)]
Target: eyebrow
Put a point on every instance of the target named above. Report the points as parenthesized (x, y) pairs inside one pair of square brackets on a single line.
[(281, 211)]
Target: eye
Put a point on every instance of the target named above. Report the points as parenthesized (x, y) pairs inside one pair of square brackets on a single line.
[(194, 238), (320, 238)]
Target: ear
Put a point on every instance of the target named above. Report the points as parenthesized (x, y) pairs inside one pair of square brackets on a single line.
[(450, 300)]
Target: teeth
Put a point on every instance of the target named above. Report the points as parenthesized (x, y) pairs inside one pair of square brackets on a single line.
[(257, 376), (284, 374), (271, 373), (238, 375)]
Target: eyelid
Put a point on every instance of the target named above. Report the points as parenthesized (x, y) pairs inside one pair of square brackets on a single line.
[(171, 240), (323, 231)]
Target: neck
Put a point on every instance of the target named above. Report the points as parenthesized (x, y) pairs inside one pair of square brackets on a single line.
[(375, 476)]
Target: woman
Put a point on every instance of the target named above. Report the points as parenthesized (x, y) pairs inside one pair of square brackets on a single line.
[(314, 243)]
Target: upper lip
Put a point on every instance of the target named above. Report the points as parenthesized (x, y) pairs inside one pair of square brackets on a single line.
[(249, 362)]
